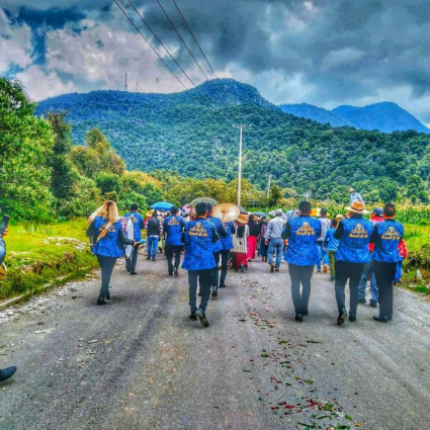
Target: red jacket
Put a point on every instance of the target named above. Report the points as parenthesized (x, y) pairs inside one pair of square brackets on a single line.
[(403, 250)]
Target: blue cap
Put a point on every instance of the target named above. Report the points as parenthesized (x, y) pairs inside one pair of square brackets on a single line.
[(378, 212)]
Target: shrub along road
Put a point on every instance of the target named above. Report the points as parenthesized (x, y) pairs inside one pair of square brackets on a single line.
[(138, 363)]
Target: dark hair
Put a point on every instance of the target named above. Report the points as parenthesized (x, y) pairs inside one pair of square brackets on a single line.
[(240, 231), (201, 208), (305, 208), (390, 210), (134, 207), (334, 222), (174, 210), (154, 214), (323, 212), (209, 207)]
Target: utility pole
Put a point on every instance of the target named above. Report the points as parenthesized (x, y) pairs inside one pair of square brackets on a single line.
[(307, 195), (268, 186), (239, 182), (125, 83)]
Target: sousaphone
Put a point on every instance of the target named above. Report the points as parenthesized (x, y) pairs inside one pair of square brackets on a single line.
[(226, 212)]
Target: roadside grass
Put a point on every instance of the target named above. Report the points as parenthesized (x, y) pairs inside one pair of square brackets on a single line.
[(41, 255)]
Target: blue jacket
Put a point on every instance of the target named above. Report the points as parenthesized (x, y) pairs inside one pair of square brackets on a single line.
[(302, 234), (108, 246), (354, 237), (386, 236), (173, 227), (139, 224), (221, 230), (227, 241), (330, 242), (200, 236)]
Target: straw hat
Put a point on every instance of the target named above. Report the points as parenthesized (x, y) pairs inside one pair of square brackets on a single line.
[(351, 190), (357, 207), (243, 219)]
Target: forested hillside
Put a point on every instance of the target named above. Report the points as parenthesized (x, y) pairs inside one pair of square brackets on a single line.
[(189, 132)]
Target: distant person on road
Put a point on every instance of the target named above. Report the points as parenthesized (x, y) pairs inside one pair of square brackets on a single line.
[(302, 255), (8, 371), (154, 229), (107, 232), (331, 245), (274, 241), (240, 244), (254, 232), (325, 225), (377, 216), (139, 225), (173, 228), (354, 235), (386, 236), (354, 196), (217, 248), (263, 246), (200, 236)]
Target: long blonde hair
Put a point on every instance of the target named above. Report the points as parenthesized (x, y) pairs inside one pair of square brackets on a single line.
[(108, 211)]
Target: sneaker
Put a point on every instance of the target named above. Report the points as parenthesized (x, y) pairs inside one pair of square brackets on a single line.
[(299, 318), (148, 258), (175, 271), (7, 373), (325, 268), (373, 304), (382, 319), (202, 317), (192, 317), (362, 300), (214, 291), (343, 316), (272, 268)]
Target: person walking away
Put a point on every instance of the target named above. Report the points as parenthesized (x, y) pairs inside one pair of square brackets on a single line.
[(7, 372), (368, 272), (354, 196), (354, 235), (263, 246), (254, 232), (403, 253), (274, 241), (139, 224), (200, 236), (227, 246), (110, 240), (153, 232), (386, 237), (302, 254), (331, 245), (217, 248), (240, 244), (325, 225), (173, 228)]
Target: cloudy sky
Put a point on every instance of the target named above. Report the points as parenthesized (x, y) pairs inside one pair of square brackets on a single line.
[(323, 52)]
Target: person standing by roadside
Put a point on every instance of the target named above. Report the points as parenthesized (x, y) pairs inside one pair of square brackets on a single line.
[(354, 196), (173, 228), (200, 236), (331, 245), (153, 232), (302, 254), (386, 237), (325, 225), (254, 231), (139, 225), (354, 235), (109, 238), (274, 241), (377, 216)]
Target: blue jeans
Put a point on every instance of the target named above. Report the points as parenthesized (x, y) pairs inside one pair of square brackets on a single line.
[(322, 255), (275, 245), (152, 246), (368, 270)]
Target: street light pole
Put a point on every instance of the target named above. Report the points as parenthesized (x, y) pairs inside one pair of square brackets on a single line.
[(239, 182)]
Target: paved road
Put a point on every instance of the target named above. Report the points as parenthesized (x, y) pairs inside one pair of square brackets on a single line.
[(253, 368)]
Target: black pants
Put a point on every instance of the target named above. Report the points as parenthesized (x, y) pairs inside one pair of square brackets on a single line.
[(130, 263), (353, 272), (225, 255), (215, 274), (204, 278), (176, 251), (384, 273), (300, 276), (106, 265)]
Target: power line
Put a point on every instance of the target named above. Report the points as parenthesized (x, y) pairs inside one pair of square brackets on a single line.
[(149, 43), (182, 40), (195, 40), (159, 41)]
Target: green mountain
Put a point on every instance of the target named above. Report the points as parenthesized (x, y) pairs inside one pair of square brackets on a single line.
[(193, 132)]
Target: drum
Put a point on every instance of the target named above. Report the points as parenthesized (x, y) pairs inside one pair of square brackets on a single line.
[(128, 226)]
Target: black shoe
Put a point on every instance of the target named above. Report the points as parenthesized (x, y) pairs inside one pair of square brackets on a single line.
[(175, 271), (352, 318), (373, 304), (214, 292), (362, 301), (272, 268), (148, 258), (7, 373), (192, 317), (202, 317), (133, 273), (101, 301), (223, 286), (382, 319), (343, 316), (299, 318), (108, 295)]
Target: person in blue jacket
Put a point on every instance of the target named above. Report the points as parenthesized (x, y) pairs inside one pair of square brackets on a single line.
[(222, 232), (386, 237), (109, 239), (302, 255), (227, 246), (139, 225), (200, 236), (173, 228), (354, 235), (331, 245)]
